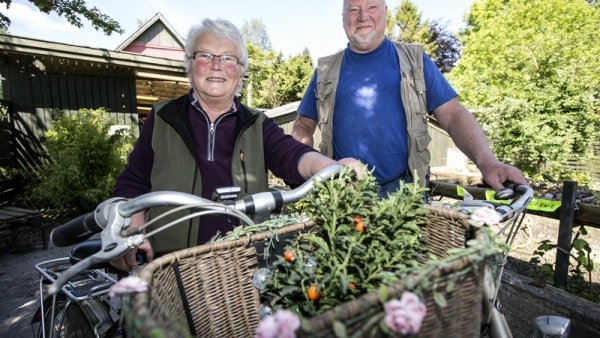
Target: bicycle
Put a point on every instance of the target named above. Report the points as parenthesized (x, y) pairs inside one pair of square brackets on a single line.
[(76, 303), (112, 218)]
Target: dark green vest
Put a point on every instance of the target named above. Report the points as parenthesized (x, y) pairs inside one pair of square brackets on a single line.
[(176, 167)]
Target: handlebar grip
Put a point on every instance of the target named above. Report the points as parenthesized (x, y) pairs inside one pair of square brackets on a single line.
[(74, 231)]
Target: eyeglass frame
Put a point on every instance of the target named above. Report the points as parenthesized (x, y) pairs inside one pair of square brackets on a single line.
[(220, 57)]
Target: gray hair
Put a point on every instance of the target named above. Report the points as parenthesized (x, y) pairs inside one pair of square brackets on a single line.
[(220, 28)]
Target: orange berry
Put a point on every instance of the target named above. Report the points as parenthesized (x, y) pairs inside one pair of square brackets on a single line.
[(360, 227), (352, 285), (289, 255), (358, 223), (313, 292)]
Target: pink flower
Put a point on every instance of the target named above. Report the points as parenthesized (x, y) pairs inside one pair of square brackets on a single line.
[(406, 315), (487, 216), (281, 324), (128, 285)]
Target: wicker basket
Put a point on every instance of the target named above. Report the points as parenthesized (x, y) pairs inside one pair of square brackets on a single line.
[(207, 291)]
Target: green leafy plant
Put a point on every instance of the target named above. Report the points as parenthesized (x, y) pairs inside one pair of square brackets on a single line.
[(85, 159), (580, 265), (361, 244), (358, 245)]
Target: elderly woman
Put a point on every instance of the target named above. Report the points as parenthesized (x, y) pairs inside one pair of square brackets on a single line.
[(207, 139)]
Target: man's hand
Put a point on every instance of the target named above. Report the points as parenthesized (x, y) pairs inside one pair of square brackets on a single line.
[(496, 173)]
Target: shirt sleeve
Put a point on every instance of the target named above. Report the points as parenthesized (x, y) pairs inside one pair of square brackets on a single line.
[(134, 180), (439, 90), (308, 104), (283, 152)]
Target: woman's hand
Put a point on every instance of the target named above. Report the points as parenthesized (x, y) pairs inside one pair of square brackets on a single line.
[(129, 261), (356, 165)]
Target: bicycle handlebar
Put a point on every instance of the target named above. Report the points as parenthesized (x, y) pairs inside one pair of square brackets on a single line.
[(112, 217), (525, 195), (76, 230), (518, 205)]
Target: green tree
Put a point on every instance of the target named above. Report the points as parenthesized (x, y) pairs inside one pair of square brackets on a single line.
[(531, 69), (406, 24), (255, 33), (73, 11), (273, 81), (258, 60), (296, 73)]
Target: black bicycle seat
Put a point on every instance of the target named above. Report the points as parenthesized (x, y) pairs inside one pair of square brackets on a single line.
[(85, 249)]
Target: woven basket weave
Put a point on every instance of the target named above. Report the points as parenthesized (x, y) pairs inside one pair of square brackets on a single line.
[(207, 291)]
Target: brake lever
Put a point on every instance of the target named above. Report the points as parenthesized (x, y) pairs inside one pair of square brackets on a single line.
[(504, 194), (113, 244)]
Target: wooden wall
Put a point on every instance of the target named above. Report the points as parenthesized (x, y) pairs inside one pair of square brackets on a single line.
[(34, 91)]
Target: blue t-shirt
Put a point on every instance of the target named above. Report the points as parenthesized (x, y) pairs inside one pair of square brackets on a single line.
[(369, 122)]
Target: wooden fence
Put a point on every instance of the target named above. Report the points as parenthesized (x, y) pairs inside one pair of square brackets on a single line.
[(570, 213)]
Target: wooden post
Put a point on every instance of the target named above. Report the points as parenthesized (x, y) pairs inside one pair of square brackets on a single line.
[(565, 230)]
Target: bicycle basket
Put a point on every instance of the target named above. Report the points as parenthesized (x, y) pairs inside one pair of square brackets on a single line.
[(208, 290)]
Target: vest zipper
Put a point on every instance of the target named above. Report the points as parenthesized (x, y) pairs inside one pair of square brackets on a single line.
[(212, 138), (211, 142), (244, 173)]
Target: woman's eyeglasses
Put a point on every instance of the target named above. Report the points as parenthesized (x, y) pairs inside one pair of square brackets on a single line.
[(206, 57)]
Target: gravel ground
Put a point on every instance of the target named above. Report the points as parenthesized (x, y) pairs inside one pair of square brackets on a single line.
[(19, 285)]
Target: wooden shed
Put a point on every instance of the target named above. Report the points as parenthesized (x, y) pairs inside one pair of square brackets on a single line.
[(38, 77)]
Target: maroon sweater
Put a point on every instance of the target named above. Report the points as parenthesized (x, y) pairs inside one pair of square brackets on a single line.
[(282, 154)]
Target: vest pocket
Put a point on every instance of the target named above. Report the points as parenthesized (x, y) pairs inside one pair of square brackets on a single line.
[(322, 92), (422, 139)]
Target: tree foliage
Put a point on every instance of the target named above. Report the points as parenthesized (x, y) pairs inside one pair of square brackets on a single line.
[(255, 33), (531, 69), (273, 81), (73, 11), (406, 24), (447, 47)]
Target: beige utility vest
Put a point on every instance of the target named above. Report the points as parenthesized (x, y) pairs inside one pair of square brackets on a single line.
[(412, 92)]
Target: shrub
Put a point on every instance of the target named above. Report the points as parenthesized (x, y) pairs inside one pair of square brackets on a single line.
[(85, 159)]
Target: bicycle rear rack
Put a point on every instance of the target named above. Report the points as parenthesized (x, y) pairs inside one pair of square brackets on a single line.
[(88, 283)]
